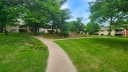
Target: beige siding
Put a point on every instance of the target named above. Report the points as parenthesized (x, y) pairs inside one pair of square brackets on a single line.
[(103, 32), (113, 32), (13, 28)]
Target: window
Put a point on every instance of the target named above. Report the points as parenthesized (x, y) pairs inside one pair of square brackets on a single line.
[(13, 29), (102, 30)]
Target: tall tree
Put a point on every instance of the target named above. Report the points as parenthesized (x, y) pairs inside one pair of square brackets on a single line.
[(92, 27), (41, 12), (108, 11), (1, 15), (9, 12), (55, 15), (77, 26), (63, 26), (122, 5), (61, 2)]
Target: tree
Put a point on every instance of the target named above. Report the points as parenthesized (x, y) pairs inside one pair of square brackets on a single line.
[(77, 26), (61, 2), (1, 15), (103, 10), (65, 15), (92, 27), (72, 26), (41, 12), (63, 26), (107, 11), (56, 15), (35, 13), (9, 12), (65, 30), (58, 19), (121, 23), (122, 5)]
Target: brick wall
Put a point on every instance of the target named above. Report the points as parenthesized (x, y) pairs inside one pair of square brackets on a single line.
[(123, 33)]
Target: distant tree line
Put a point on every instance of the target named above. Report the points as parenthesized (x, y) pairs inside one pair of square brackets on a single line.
[(75, 26)]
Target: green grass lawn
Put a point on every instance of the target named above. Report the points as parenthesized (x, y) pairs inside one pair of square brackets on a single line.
[(52, 36), (82, 35), (22, 54), (97, 54), (58, 36)]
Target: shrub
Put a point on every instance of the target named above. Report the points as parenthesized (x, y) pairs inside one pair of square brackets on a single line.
[(65, 33), (49, 31)]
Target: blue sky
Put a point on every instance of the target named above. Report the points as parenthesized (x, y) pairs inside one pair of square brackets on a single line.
[(78, 8)]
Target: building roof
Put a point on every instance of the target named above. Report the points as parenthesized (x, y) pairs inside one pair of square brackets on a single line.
[(104, 28)]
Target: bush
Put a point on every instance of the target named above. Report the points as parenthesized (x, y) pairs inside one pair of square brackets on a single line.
[(49, 31), (65, 33), (22, 30)]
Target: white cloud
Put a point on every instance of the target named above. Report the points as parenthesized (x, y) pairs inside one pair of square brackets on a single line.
[(89, 0), (81, 12), (85, 16), (64, 6)]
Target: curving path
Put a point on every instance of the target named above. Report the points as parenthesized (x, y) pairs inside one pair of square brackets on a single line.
[(58, 60)]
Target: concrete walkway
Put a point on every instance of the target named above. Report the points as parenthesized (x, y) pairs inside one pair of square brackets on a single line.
[(58, 60)]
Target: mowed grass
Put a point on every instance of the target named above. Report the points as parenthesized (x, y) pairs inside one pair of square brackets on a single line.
[(52, 36), (97, 54), (58, 36), (22, 54)]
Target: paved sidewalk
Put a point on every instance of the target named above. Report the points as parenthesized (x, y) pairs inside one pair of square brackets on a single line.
[(58, 60)]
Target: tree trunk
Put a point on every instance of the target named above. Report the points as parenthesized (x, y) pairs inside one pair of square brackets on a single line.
[(5, 30), (109, 31), (1, 29), (52, 28), (33, 30), (38, 29), (125, 32)]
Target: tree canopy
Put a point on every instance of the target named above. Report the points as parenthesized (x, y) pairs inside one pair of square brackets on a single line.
[(42, 12), (113, 12), (77, 26), (9, 12), (92, 27), (108, 10), (35, 13)]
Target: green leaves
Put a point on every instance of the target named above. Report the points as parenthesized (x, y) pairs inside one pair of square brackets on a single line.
[(42, 11), (92, 27), (108, 10), (76, 26), (37, 12)]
